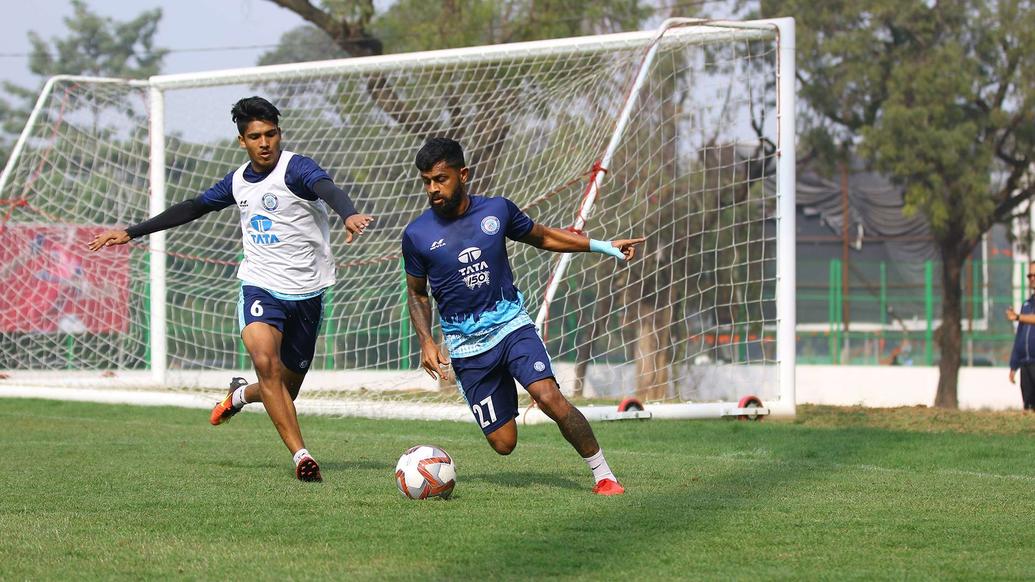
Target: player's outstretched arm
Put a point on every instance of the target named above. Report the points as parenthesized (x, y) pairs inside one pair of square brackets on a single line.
[(108, 238), (355, 225), (340, 201), (419, 305), (175, 215), (565, 241)]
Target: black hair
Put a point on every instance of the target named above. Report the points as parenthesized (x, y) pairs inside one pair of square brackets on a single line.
[(251, 109), (440, 149)]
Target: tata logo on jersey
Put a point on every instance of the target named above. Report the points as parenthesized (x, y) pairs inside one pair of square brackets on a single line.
[(476, 273), (469, 255), (261, 226)]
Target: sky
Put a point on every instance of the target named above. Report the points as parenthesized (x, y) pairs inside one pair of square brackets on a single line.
[(202, 35), (185, 25)]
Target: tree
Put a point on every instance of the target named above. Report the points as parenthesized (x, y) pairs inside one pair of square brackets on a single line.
[(96, 46), (410, 25), (12, 118), (939, 96), (100, 46)]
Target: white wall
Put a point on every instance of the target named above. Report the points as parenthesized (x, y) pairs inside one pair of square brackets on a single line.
[(883, 386), (875, 386)]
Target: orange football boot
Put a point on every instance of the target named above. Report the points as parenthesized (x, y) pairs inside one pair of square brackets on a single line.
[(608, 487), (225, 410)]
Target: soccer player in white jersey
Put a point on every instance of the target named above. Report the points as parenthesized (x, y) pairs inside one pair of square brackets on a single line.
[(458, 246), (288, 265)]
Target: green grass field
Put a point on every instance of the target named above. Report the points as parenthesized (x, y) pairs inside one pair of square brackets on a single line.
[(101, 491)]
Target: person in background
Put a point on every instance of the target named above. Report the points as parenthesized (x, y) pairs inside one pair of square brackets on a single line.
[(1023, 356)]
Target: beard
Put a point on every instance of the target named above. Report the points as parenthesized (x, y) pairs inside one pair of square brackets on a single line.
[(449, 205)]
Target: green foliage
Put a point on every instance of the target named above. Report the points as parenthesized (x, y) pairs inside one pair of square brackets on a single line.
[(414, 25), (100, 46), (349, 10), (95, 46), (937, 95), (303, 44), (812, 499), (418, 25)]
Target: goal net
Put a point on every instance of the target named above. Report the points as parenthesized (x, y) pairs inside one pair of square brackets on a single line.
[(676, 135)]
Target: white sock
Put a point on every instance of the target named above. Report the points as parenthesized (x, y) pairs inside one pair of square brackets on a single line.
[(598, 465), (237, 400), (299, 455)]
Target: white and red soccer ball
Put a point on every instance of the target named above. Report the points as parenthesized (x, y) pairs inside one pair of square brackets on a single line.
[(425, 471)]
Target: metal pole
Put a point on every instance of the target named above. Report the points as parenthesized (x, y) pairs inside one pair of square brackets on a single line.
[(48, 88), (845, 308), (883, 309), (330, 333), (159, 348), (786, 191), (831, 309), (839, 314), (404, 322), (598, 175)]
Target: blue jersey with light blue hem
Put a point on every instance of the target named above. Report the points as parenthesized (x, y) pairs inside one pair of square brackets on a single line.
[(465, 262)]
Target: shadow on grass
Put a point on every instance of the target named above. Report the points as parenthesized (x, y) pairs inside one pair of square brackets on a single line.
[(524, 479), (326, 466), (362, 464), (682, 519)]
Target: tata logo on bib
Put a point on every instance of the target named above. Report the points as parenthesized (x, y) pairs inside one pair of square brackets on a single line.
[(469, 255), (261, 226)]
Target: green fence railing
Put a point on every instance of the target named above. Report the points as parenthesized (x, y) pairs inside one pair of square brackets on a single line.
[(879, 312)]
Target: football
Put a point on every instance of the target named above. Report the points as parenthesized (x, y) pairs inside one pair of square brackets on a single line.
[(425, 471)]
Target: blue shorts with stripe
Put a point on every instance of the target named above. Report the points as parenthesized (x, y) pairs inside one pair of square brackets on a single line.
[(297, 319), (487, 379)]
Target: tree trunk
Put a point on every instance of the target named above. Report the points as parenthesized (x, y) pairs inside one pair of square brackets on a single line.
[(653, 348), (596, 312), (950, 336), (653, 339)]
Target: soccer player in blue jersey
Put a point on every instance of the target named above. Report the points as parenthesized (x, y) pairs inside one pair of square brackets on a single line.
[(458, 246), (288, 265)]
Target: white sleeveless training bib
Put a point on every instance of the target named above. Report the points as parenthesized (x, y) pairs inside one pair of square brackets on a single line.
[(286, 239)]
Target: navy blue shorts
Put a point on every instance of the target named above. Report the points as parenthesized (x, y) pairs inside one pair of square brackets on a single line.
[(487, 379), (298, 321)]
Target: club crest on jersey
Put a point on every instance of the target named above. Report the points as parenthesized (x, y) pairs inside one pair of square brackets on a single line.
[(476, 273), (490, 225), (261, 226), (270, 201)]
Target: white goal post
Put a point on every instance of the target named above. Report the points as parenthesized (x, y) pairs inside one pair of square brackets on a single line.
[(673, 134)]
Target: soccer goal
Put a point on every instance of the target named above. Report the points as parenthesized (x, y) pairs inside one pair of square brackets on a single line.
[(684, 135)]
